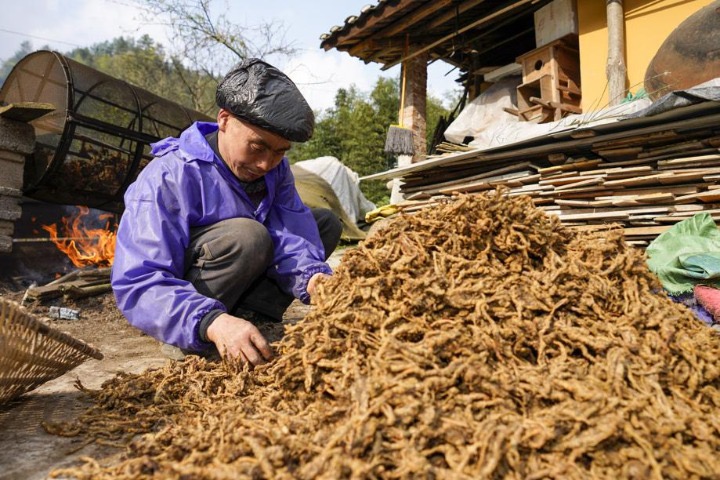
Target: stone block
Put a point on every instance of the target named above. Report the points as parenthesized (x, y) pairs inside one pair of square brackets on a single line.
[(10, 192), (11, 169), (10, 208), (7, 227), (5, 243), (12, 212), (18, 137)]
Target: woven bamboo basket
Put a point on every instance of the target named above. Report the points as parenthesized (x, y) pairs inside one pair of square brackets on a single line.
[(31, 352)]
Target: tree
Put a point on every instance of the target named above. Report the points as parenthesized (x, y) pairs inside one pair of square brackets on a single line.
[(144, 63), (7, 65), (354, 131), (205, 46)]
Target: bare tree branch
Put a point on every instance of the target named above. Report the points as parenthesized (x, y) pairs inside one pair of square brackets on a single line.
[(212, 43)]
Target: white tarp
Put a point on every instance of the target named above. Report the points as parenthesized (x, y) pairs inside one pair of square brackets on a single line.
[(344, 182), (490, 126), (484, 114)]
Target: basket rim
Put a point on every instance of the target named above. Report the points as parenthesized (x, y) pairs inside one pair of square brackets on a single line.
[(55, 334)]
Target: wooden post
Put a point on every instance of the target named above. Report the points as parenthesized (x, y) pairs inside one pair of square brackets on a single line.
[(414, 105), (616, 70)]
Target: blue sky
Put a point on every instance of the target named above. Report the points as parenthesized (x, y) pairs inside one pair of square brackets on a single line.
[(64, 24)]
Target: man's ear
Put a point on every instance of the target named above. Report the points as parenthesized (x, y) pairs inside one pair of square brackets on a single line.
[(222, 118)]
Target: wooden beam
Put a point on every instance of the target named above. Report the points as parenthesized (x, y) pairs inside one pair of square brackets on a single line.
[(462, 30), (616, 70), (372, 19), (401, 25), (452, 15)]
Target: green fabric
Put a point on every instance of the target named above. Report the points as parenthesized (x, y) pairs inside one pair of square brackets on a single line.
[(687, 255)]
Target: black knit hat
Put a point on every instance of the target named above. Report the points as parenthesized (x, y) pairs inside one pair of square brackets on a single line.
[(260, 94)]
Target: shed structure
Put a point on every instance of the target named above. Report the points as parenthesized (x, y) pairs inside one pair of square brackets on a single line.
[(485, 39)]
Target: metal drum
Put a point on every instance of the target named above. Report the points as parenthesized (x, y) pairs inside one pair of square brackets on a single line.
[(94, 144)]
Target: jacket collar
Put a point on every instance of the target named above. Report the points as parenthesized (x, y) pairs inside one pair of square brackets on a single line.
[(191, 145)]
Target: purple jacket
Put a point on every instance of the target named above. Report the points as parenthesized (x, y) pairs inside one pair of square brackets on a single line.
[(188, 186)]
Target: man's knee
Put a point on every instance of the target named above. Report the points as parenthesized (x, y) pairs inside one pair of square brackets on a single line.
[(330, 228), (232, 239)]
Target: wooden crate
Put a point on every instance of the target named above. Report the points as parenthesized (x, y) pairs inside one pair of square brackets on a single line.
[(551, 81)]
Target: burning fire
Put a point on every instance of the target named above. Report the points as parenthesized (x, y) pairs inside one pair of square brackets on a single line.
[(85, 246)]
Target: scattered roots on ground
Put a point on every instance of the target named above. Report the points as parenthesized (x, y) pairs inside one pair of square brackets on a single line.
[(477, 339)]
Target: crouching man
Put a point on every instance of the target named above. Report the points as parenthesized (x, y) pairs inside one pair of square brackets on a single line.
[(214, 234)]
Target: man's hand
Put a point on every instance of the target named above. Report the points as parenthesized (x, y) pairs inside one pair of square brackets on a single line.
[(236, 337), (314, 281)]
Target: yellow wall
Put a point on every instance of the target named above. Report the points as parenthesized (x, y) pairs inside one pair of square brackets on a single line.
[(647, 25)]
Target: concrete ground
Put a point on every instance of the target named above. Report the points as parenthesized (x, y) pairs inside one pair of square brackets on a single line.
[(27, 452)]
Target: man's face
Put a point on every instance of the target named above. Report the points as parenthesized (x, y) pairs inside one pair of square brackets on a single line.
[(249, 151)]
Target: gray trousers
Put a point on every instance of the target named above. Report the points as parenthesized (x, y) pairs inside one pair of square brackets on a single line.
[(228, 260)]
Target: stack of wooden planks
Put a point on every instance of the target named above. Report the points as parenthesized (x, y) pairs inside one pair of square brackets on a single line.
[(645, 177)]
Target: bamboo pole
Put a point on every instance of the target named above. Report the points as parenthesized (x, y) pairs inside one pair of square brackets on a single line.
[(616, 70)]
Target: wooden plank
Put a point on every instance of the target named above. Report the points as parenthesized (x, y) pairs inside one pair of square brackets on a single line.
[(617, 173), (695, 207), (464, 180), (675, 219), (51, 291), (683, 176), (630, 211), (668, 177), (622, 152), (643, 199), (705, 197), (582, 183), (570, 173), (584, 192), (667, 156), (484, 184), (570, 166), (497, 179), (629, 192), (694, 161), (676, 147), (633, 182), (529, 179), (605, 216), (584, 203), (556, 181), (25, 111), (557, 158), (663, 135)]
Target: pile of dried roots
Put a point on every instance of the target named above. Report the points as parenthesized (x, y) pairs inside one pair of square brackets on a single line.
[(477, 339)]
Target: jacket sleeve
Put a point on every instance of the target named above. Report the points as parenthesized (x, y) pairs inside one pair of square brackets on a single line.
[(147, 273), (299, 253)]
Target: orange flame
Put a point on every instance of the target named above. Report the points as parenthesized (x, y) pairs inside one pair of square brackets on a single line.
[(85, 246)]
